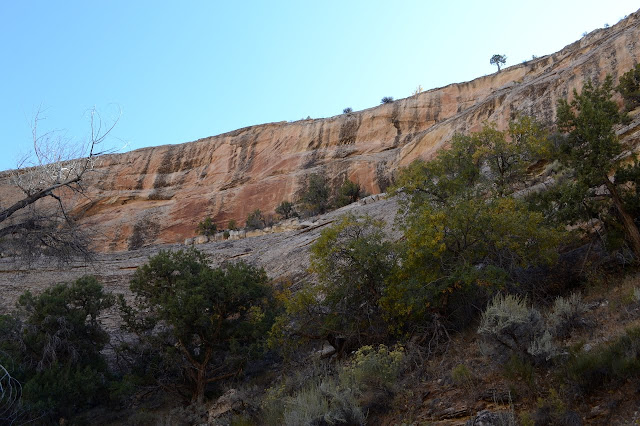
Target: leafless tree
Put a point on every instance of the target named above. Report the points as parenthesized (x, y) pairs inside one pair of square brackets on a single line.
[(47, 185), (10, 393)]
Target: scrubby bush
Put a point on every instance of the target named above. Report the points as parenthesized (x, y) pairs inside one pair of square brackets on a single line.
[(349, 192), (255, 220), (567, 314), (352, 261), (511, 324), (462, 376), (286, 210), (387, 100), (207, 227), (325, 403), (374, 368), (345, 396), (347, 110), (232, 225), (608, 364), (314, 195)]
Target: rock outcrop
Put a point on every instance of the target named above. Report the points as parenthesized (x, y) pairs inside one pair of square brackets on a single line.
[(158, 195)]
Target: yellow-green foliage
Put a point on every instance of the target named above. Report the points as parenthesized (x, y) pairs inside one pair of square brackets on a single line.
[(376, 368), (471, 246), (352, 262), (465, 233), (462, 376)]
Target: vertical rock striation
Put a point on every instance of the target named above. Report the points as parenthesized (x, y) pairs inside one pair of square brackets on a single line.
[(158, 195)]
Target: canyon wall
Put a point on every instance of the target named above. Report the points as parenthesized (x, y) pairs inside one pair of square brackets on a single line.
[(158, 195)]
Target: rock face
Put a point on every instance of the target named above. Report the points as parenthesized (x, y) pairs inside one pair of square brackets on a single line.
[(158, 195)]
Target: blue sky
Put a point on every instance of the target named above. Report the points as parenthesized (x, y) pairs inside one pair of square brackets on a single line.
[(176, 72)]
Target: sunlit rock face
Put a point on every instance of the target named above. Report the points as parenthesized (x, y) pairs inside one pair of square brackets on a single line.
[(158, 195)]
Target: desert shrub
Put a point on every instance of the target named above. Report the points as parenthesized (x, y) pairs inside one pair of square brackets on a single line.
[(567, 315), (255, 220), (509, 323), (207, 227), (552, 410), (517, 369), (347, 110), (352, 261), (325, 403), (232, 225), (542, 347), (608, 364), (226, 234), (286, 210), (349, 192), (373, 373), (314, 195), (387, 100), (372, 367), (362, 385), (462, 376)]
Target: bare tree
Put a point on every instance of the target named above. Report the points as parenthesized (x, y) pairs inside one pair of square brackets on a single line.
[(10, 393), (48, 184)]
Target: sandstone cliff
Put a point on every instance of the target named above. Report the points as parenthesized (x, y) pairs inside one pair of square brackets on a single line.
[(158, 195)]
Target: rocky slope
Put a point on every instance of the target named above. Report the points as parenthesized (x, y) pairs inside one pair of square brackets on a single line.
[(158, 195)]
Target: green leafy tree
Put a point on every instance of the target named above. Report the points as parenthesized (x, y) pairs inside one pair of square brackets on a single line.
[(203, 322), (498, 60), (55, 348), (255, 220), (314, 195), (592, 149), (465, 234), (207, 227), (286, 210), (352, 261), (629, 88)]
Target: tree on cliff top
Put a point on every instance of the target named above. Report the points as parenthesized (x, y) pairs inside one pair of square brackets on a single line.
[(49, 183), (498, 60)]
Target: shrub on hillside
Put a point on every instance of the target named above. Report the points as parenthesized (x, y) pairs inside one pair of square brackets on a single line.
[(612, 363), (314, 195), (387, 100), (567, 314), (207, 227), (286, 210), (509, 323), (352, 261), (349, 192), (347, 110), (255, 220)]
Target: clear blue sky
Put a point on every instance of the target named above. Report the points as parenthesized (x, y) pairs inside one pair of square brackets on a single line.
[(179, 71)]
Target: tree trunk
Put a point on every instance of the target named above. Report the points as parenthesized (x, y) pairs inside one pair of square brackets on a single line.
[(630, 227), (201, 383)]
